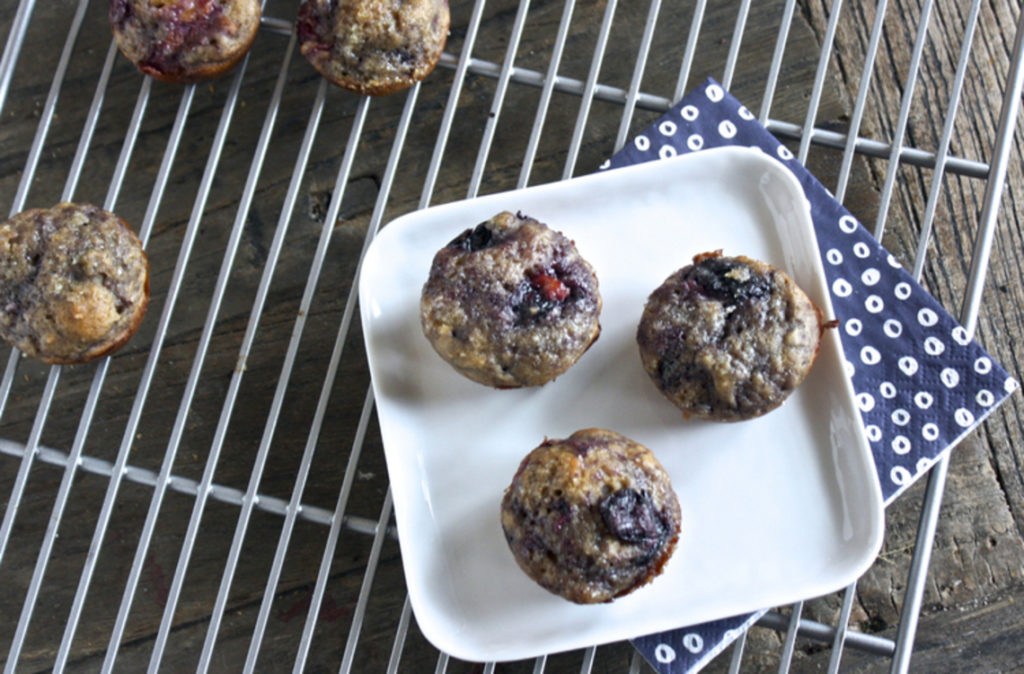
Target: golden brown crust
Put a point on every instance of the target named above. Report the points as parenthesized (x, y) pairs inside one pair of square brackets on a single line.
[(511, 303), (373, 47), (74, 283), (124, 337), (208, 72), (185, 41), (728, 338), (592, 517)]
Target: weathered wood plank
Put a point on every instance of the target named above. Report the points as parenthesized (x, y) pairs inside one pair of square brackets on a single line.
[(978, 558)]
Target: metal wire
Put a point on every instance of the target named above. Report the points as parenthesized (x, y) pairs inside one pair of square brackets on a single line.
[(691, 49), (819, 80), (792, 632), (638, 73), (364, 590), (173, 142), (734, 44), (64, 491), (857, 116), (736, 659), (947, 133), (498, 101), (810, 629), (248, 501), (841, 627), (295, 504), (506, 74), (375, 223), (545, 98), (230, 399), (904, 116), (588, 660), (590, 89), (13, 47), (401, 632), (968, 318), (776, 64), (331, 544), (54, 374)]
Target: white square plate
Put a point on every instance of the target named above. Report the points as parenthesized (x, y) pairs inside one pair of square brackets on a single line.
[(776, 509)]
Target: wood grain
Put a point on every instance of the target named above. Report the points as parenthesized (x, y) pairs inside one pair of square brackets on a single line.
[(977, 578)]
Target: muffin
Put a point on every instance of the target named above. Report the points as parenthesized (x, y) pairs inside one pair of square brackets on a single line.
[(182, 41), (510, 303), (374, 47), (592, 517), (74, 283), (728, 338)]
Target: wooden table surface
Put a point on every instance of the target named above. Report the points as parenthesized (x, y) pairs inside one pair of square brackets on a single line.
[(973, 611)]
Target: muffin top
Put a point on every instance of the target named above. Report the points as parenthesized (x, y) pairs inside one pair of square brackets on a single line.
[(510, 302), (184, 40), (373, 47), (74, 282), (591, 517), (728, 338)]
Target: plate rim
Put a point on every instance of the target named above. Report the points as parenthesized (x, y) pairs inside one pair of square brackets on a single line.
[(444, 639)]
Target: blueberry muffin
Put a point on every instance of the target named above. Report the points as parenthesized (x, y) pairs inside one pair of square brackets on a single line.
[(510, 303), (182, 41), (374, 47), (74, 283), (728, 338), (592, 517)]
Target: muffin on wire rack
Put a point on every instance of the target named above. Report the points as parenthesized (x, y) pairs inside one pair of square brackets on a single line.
[(183, 41), (74, 283), (374, 47)]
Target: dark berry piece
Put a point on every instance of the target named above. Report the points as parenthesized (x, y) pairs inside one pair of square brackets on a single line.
[(120, 10), (630, 515), (182, 28), (475, 239), (530, 305), (307, 26), (538, 295), (722, 279)]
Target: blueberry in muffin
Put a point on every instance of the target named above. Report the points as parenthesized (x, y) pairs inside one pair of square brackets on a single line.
[(728, 338), (591, 517), (74, 283), (510, 302), (182, 41), (373, 47)]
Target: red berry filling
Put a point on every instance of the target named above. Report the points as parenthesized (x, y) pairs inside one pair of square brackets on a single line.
[(550, 287)]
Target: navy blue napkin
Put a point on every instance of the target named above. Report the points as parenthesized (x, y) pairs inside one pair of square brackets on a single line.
[(921, 383)]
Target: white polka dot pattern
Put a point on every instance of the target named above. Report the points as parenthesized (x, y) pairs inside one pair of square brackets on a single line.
[(894, 333), (664, 654), (685, 649), (920, 380)]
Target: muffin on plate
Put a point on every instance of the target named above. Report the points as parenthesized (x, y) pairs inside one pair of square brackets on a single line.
[(183, 41), (373, 47), (510, 302), (74, 283), (591, 517), (728, 338)]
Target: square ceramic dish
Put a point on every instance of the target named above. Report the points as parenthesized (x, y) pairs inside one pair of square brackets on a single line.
[(776, 509)]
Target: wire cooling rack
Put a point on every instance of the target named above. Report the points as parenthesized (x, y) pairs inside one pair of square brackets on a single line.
[(214, 496)]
